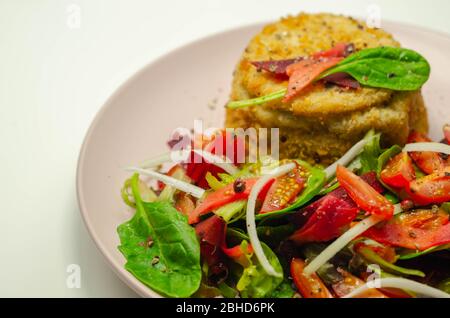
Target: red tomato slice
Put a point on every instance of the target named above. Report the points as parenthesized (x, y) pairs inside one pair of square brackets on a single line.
[(416, 230), (309, 286), (399, 171), (366, 197), (427, 161), (434, 188), (304, 72), (329, 216), (350, 283), (221, 197), (284, 190)]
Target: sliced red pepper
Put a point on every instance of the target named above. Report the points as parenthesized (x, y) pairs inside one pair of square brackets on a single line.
[(303, 73), (366, 197), (349, 283), (399, 171), (309, 286), (221, 197), (427, 161), (329, 216), (416, 230), (431, 189), (284, 190)]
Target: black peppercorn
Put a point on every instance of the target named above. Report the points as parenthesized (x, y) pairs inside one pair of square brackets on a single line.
[(239, 186)]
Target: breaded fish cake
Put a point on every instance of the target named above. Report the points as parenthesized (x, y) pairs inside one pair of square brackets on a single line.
[(322, 122)]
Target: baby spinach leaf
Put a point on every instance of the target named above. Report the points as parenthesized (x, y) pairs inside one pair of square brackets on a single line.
[(373, 258), (371, 152), (273, 235), (408, 254), (161, 249), (393, 68), (254, 282), (284, 290)]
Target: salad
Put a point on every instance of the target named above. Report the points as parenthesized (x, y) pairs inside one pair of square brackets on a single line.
[(373, 224)]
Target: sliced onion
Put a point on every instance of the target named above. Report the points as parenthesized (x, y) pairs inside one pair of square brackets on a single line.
[(400, 283), (330, 171), (427, 146), (222, 162), (155, 161), (250, 217), (177, 184), (343, 240), (219, 161)]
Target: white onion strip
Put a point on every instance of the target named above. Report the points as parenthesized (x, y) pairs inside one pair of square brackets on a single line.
[(222, 162), (250, 217), (400, 283), (155, 161), (177, 184), (343, 240), (357, 148), (427, 146)]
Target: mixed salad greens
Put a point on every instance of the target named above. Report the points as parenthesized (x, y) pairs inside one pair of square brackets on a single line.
[(289, 229)]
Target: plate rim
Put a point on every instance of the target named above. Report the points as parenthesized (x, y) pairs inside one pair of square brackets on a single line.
[(126, 277)]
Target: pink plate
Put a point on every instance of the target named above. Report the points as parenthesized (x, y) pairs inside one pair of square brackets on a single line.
[(188, 83)]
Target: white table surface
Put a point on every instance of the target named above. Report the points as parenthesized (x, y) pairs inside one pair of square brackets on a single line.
[(53, 80)]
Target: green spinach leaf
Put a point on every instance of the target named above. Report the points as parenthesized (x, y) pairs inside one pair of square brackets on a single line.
[(284, 290), (254, 282), (372, 150), (273, 235), (161, 249), (393, 68), (373, 258)]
